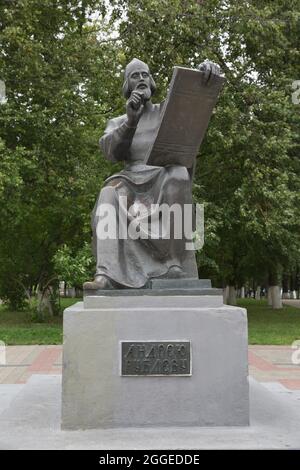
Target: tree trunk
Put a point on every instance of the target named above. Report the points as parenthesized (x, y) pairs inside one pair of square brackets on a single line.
[(285, 286), (78, 292), (269, 296), (225, 295), (232, 295), (71, 292), (229, 295), (242, 292), (257, 293), (293, 295), (276, 297), (275, 287), (44, 304)]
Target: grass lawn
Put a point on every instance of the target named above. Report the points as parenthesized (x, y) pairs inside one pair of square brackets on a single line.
[(19, 328), (266, 326)]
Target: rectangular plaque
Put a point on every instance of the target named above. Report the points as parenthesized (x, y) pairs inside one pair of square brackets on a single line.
[(156, 358)]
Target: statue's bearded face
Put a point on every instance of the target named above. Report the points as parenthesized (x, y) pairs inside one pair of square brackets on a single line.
[(140, 80)]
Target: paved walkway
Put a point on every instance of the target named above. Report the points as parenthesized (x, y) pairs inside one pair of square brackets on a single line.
[(292, 302), (31, 419), (266, 364), (24, 361)]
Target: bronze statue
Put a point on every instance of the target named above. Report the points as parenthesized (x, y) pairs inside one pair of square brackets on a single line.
[(131, 263)]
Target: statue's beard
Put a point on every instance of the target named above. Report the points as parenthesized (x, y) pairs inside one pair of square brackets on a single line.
[(145, 92)]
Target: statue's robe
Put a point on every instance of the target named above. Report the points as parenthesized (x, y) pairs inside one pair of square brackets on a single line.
[(132, 262)]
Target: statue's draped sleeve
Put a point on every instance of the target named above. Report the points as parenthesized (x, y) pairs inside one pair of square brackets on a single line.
[(116, 140)]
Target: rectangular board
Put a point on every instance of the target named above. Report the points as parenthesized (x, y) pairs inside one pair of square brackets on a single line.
[(185, 117), (156, 358)]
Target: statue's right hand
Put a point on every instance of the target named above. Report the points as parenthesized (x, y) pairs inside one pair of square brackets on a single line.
[(134, 108)]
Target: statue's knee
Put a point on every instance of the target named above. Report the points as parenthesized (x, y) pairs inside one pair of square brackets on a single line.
[(179, 173), (184, 174)]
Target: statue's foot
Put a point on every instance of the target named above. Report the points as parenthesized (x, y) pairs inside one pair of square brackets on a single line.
[(174, 273), (100, 282)]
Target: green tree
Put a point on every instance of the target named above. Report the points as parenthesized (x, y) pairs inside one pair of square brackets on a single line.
[(58, 75), (248, 170), (74, 268), (62, 64)]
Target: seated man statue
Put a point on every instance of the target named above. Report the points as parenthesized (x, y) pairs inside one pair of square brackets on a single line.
[(131, 262)]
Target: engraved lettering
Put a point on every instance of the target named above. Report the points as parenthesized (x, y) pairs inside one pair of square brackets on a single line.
[(155, 368), (130, 351), (151, 353), (181, 350), (183, 365), (141, 351), (161, 351), (161, 358), (166, 366)]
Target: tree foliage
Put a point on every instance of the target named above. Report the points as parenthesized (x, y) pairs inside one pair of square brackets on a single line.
[(58, 78), (248, 170), (62, 64)]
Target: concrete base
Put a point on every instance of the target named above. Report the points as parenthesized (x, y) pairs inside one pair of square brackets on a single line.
[(32, 421), (95, 395), (161, 287)]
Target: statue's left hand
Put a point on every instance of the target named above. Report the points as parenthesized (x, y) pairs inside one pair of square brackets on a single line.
[(210, 70)]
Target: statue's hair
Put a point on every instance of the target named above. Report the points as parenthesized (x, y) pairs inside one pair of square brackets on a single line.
[(127, 92)]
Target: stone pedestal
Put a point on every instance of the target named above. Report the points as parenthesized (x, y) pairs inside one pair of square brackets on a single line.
[(213, 392)]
